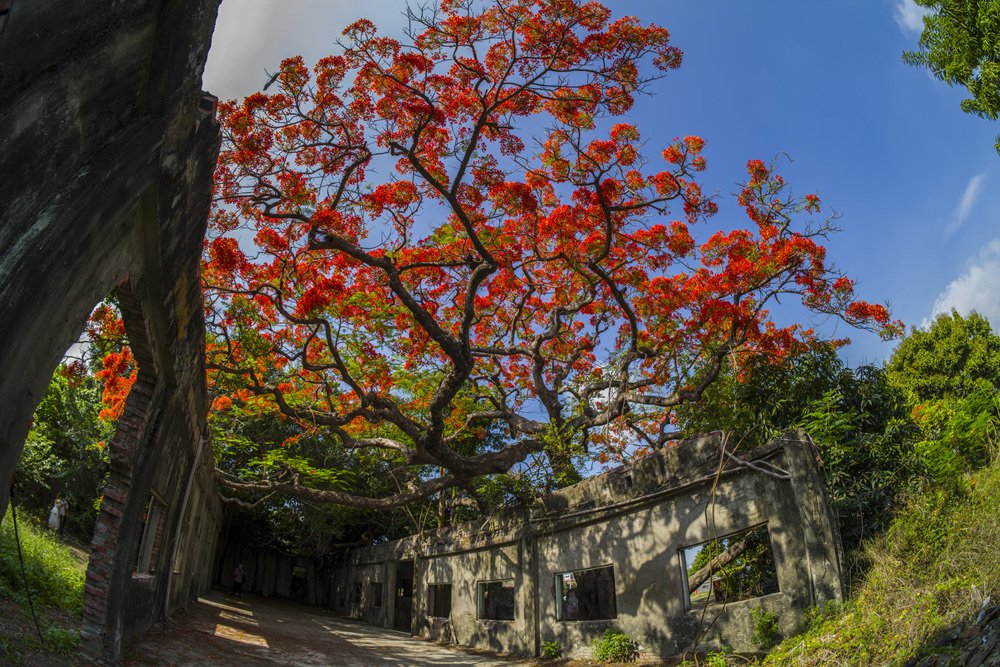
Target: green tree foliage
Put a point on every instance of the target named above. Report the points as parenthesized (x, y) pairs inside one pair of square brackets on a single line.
[(65, 450), (950, 374), (255, 445), (960, 44), (955, 357)]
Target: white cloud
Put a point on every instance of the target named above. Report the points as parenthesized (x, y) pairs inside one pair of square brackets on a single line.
[(978, 289), (252, 37), (910, 17), (969, 198)]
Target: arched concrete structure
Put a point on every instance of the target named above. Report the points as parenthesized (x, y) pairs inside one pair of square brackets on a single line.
[(107, 146)]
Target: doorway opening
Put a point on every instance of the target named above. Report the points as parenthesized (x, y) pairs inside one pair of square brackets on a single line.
[(403, 617)]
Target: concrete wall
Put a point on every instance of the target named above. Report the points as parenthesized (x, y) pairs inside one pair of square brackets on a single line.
[(636, 519), (106, 156)]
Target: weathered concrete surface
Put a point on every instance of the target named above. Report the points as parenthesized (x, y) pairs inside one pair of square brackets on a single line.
[(636, 519), (248, 631), (106, 157)]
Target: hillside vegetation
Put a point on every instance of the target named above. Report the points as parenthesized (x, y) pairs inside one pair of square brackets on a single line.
[(933, 568), (55, 573)]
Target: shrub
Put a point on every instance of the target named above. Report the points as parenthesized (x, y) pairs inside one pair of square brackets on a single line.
[(61, 639), (766, 632), (551, 650), (716, 659), (616, 646)]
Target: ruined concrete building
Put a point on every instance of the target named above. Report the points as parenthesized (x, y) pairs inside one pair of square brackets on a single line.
[(615, 551), (107, 146)]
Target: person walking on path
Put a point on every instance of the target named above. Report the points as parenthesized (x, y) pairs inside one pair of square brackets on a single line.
[(63, 506), (239, 577)]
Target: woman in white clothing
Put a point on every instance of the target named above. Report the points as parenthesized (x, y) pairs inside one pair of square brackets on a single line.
[(54, 518)]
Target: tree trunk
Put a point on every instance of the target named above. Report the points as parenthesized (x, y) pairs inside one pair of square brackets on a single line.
[(716, 564)]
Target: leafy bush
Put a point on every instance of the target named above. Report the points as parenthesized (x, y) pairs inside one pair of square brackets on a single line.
[(551, 650), (716, 659), (958, 433), (616, 646), (62, 639), (766, 631)]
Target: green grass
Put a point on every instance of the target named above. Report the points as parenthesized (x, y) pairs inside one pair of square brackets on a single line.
[(56, 575), (932, 569), (55, 572)]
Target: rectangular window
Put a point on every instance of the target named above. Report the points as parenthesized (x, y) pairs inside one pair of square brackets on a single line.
[(586, 595), (375, 594), (152, 535), (495, 600), (736, 567), (439, 600)]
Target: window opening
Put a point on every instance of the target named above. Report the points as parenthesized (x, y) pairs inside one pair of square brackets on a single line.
[(495, 600), (586, 595), (439, 600), (736, 567), (152, 536)]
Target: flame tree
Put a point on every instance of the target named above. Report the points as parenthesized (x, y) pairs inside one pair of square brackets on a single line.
[(419, 239)]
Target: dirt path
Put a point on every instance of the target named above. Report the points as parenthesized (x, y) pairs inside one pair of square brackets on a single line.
[(220, 629)]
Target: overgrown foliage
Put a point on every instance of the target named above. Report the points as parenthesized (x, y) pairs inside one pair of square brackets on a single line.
[(950, 374), (65, 449), (739, 566), (766, 629), (55, 572)]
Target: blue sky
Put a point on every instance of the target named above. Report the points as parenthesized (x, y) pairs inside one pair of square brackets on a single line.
[(914, 179)]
